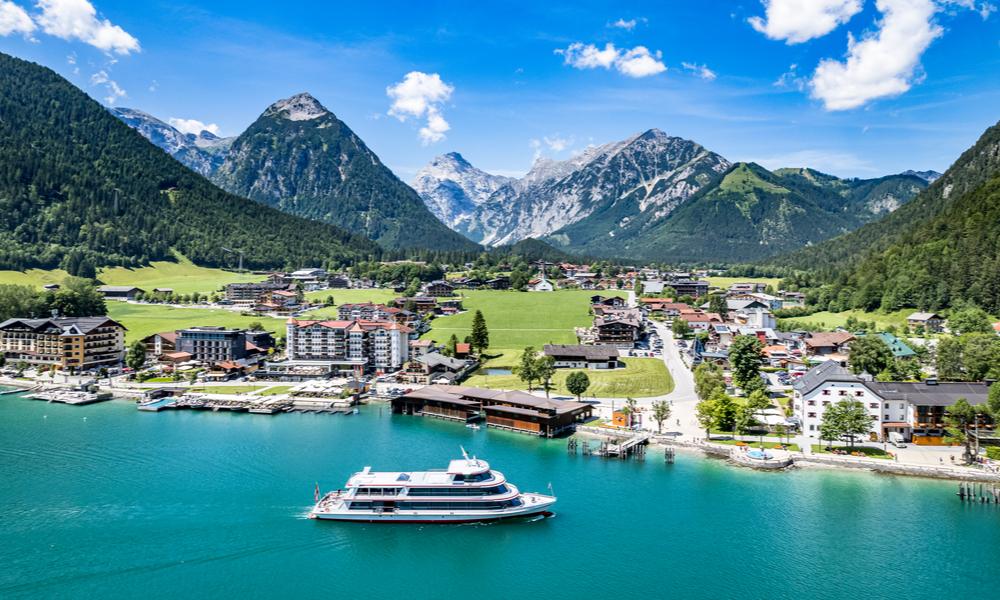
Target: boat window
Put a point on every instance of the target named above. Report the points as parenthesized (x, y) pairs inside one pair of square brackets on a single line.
[(478, 477), (458, 491)]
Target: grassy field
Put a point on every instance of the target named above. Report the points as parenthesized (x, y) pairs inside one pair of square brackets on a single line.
[(725, 282), (640, 378), (146, 319), (349, 296), (519, 319), (831, 320), (183, 276)]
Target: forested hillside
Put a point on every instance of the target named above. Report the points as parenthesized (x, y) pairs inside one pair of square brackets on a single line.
[(940, 249), (79, 189)]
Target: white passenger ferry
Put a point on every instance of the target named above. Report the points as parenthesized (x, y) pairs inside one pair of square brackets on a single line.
[(467, 492)]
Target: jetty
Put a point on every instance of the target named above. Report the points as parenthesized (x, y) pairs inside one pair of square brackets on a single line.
[(71, 397), (632, 446)]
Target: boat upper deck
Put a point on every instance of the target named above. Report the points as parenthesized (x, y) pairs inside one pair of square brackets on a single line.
[(418, 478)]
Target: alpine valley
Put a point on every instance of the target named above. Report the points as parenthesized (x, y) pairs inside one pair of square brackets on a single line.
[(658, 197)]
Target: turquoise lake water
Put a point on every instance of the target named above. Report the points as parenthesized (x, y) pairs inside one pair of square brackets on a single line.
[(103, 501)]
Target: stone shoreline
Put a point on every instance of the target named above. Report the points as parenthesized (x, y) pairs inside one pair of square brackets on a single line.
[(875, 465)]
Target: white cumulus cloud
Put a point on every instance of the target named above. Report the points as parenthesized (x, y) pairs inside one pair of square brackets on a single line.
[(700, 70), (637, 62), (192, 126), (14, 19), (420, 95), (78, 20), (881, 64), (797, 21), (626, 25), (114, 90)]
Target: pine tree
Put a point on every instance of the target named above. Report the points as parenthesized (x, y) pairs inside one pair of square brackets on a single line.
[(480, 333)]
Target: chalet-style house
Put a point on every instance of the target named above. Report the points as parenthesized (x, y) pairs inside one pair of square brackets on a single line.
[(439, 288), (77, 343), (931, 322), (618, 332), (436, 368), (828, 344), (578, 356)]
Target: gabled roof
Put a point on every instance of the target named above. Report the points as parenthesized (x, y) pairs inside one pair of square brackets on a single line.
[(597, 352), (76, 325), (828, 339), (923, 316), (817, 376)]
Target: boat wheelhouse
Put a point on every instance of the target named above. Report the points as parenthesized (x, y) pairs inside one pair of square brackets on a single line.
[(468, 491)]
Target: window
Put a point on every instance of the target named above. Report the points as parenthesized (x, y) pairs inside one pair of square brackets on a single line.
[(826, 403), (886, 405), (873, 405), (859, 393), (812, 415), (826, 392), (885, 418), (843, 392)]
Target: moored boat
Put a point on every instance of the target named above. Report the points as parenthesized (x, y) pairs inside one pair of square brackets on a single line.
[(467, 492)]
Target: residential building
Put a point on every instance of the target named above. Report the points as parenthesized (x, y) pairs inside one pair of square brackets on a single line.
[(63, 342), (578, 356), (252, 294), (931, 322), (695, 288), (915, 410), (349, 345), (434, 367), (617, 332), (828, 344), (159, 344), (749, 287), (210, 344), (439, 288), (699, 321), (120, 292)]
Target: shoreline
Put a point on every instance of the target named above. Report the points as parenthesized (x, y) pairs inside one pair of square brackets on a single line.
[(709, 450), (871, 465)]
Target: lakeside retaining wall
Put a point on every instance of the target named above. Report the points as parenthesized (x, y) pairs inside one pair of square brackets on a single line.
[(853, 462)]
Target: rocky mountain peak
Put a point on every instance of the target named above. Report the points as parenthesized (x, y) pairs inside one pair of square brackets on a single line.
[(300, 107)]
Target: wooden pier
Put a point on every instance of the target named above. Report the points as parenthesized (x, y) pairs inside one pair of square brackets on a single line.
[(978, 493), (632, 447)]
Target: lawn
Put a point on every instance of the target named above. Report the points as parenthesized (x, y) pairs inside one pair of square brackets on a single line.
[(519, 319), (146, 319), (768, 444), (725, 282), (183, 276), (869, 451), (352, 296), (231, 390), (641, 377), (831, 320)]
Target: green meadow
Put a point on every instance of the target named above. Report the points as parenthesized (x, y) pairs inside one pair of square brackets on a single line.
[(146, 319)]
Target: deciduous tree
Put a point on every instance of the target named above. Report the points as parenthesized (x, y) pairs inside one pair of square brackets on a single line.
[(577, 383), (869, 354)]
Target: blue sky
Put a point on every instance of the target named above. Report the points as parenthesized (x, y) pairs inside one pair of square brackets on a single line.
[(506, 83)]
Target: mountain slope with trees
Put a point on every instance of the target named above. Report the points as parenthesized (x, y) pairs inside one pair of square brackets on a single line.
[(79, 189), (300, 158), (941, 249)]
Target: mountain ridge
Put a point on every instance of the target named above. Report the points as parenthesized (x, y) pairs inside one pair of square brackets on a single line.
[(80, 189)]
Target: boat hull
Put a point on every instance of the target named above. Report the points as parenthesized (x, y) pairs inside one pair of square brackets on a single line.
[(540, 505)]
